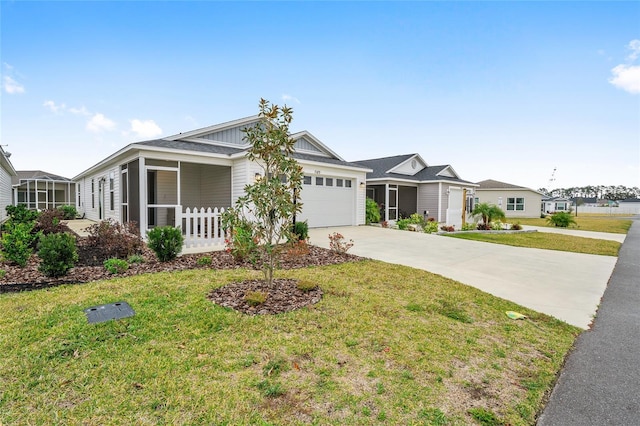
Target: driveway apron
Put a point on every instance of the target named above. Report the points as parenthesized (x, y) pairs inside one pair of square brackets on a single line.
[(565, 285)]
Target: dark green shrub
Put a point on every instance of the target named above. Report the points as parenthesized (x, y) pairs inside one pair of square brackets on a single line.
[(372, 213), (112, 239), (68, 212), (301, 230), (50, 222), (403, 223), (58, 254), (116, 266), (165, 241), (204, 261), (21, 214), (516, 227), (17, 242), (242, 244), (561, 219), (135, 258)]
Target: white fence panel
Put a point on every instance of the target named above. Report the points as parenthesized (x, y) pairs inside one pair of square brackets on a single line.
[(201, 227), (606, 210)]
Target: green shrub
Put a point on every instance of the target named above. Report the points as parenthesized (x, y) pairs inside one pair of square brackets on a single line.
[(306, 286), (57, 253), (496, 226), (561, 219), (516, 226), (204, 261), (242, 244), (430, 227), (403, 223), (255, 298), (17, 242), (468, 226), (417, 219), (50, 222), (2, 273), (301, 230), (166, 242), (116, 266), (135, 258), (68, 212), (372, 213), (21, 214)]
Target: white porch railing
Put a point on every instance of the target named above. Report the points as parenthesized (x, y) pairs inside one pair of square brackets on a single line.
[(200, 227)]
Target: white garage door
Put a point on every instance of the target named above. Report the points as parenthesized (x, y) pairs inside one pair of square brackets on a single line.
[(328, 202)]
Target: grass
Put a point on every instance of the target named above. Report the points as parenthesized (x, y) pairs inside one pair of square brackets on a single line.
[(387, 344), (584, 223), (547, 241)]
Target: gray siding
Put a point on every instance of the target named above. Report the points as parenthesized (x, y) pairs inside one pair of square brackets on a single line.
[(233, 136), (5, 192), (428, 199), (205, 186), (303, 144)]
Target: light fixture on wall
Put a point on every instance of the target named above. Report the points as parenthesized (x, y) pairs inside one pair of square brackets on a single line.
[(362, 185), (448, 191), (257, 177)]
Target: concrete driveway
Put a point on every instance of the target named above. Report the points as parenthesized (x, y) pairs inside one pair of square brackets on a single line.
[(566, 285)]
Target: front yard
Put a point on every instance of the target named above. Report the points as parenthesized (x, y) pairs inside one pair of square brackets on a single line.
[(584, 223), (386, 344)]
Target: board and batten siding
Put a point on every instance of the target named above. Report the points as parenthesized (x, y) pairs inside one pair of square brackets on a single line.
[(5, 193), (532, 200), (233, 136)]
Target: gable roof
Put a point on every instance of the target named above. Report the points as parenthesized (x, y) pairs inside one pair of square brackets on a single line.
[(37, 174), (383, 169), (630, 200), (490, 184)]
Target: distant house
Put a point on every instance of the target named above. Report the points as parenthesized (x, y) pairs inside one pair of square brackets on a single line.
[(40, 190), (405, 184), (514, 200), (161, 182), (555, 204), (7, 172), (629, 206)]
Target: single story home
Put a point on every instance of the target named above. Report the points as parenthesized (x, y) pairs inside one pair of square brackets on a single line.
[(555, 204), (39, 190), (629, 206), (405, 184), (7, 173), (163, 181), (514, 200)]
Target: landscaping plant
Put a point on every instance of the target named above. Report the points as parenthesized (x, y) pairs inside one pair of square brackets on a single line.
[(301, 230), (58, 254), (488, 213), (270, 203), (165, 241), (240, 241), (17, 242), (372, 212), (561, 219), (68, 212), (21, 214), (113, 239), (116, 266), (337, 244), (50, 222)]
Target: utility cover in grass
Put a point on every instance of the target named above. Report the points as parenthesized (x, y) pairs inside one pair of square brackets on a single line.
[(110, 311)]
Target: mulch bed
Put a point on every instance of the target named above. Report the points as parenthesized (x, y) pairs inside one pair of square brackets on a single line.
[(282, 298)]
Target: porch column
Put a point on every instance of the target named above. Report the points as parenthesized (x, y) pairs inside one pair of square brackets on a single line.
[(439, 200), (142, 187), (386, 201)]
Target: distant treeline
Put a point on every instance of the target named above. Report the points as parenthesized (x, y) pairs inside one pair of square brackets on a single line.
[(601, 192)]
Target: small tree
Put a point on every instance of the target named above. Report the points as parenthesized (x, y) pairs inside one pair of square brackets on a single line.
[(270, 203), (488, 213)]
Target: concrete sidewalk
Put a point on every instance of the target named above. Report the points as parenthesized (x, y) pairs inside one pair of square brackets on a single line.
[(565, 285), (600, 383)]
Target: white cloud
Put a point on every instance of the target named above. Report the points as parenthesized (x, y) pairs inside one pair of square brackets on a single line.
[(627, 76), (51, 105), (100, 123), (286, 98), (145, 128), (79, 111), (11, 86)]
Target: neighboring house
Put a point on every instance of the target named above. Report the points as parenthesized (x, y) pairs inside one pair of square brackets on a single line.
[(555, 204), (587, 201), (405, 184), (154, 182), (7, 172), (629, 206), (38, 190), (514, 200)]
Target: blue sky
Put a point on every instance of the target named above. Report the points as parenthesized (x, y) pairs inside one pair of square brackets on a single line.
[(499, 90)]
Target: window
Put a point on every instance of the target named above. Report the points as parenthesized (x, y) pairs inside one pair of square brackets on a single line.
[(561, 206), (339, 183), (111, 194), (79, 197), (515, 204), (347, 183), (93, 194), (307, 180), (319, 181), (329, 181)]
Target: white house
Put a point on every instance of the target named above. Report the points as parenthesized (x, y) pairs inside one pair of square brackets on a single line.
[(7, 172), (405, 184), (514, 200), (154, 182)]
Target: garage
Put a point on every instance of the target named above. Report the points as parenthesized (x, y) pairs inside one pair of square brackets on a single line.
[(328, 201)]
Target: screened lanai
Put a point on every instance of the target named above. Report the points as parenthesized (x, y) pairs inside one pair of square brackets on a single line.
[(39, 190)]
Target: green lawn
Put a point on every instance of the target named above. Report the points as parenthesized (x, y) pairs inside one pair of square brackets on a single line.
[(386, 345), (584, 223), (547, 241)]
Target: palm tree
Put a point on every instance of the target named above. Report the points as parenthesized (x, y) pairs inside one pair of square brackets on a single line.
[(488, 213)]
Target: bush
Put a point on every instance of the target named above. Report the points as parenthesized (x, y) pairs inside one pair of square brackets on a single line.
[(447, 228), (58, 254), (255, 298), (68, 212), (337, 243), (116, 266), (204, 261), (301, 230), (430, 227), (496, 226), (561, 219), (50, 222), (403, 223), (306, 286), (372, 212), (241, 243), (135, 258), (468, 226), (297, 249), (516, 227), (21, 214), (166, 242), (17, 242), (113, 239)]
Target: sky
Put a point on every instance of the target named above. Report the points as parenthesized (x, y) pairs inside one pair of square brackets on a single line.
[(509, 91)]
